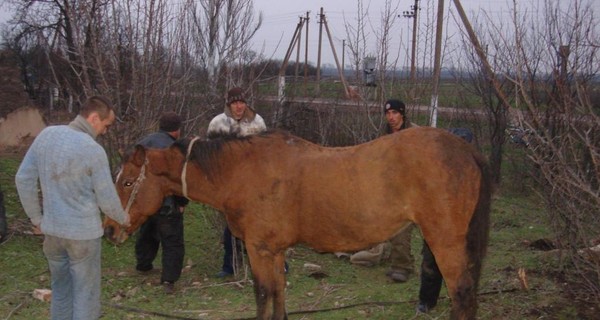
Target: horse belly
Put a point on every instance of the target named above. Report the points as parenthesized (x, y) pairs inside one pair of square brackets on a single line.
[(349, 230)]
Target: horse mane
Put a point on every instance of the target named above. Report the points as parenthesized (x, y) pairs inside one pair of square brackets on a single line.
[(206, 153)]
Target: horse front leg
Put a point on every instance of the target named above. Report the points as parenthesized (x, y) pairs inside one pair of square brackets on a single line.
[(269, 283), (279, 311)]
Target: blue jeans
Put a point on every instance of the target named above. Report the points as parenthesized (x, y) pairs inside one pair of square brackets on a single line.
[(75, 270)]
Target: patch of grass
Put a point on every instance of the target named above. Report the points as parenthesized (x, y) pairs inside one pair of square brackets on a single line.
[(346, 291)]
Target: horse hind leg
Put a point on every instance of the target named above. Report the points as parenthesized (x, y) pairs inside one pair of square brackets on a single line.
[(269, 284), (464, 289), (453, 263), (464, 293), (464, 300)]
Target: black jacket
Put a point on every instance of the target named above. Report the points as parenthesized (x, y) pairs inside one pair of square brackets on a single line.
[(163, 140)]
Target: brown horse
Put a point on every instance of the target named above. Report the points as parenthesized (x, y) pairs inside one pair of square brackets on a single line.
[(277, 190)]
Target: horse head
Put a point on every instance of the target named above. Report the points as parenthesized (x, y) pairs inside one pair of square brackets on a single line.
[(141, 190)]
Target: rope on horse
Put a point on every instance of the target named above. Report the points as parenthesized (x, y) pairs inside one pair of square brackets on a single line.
[(183, 172), (136, 186)]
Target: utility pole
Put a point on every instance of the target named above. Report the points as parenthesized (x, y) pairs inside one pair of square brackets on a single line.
[(306, 54), (298, 44), (487, 68), (281, 79), (293, 43), (343, 54), (318, 85), (296, 41), (437, 64), (413, 13), (337, 63)]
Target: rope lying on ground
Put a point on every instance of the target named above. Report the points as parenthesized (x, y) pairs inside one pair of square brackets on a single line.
[(354, 305), (147, 312)]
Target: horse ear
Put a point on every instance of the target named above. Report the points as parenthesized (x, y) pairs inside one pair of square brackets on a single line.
[(139, 155)]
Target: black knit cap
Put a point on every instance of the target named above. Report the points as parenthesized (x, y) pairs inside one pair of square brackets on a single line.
[(170, 121), (235, 94), (396, 105)]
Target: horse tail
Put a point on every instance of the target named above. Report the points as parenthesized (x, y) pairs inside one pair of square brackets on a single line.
[(477, 240), (479, 226)]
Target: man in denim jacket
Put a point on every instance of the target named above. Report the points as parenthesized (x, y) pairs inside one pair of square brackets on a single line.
[(71, 169)]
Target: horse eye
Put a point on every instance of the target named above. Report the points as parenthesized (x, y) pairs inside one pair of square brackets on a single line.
[(128, 184)]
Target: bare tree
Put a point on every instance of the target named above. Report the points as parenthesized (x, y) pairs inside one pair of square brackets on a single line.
[(387, 60), (147, 56), (356, 36), (549, 60), (565, 129), (222, 30)]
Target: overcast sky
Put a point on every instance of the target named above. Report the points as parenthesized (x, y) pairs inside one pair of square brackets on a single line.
[(280, 18)]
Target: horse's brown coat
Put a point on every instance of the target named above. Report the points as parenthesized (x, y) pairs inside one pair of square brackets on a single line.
[(277, 190)]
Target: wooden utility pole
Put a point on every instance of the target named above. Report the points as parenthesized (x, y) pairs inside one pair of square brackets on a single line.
[(343, 54), (413, 69), (281, 78), (296, 39), (306, 54), (318, 85), (413, 13), (487, 68), (297, 69), (293, 43), (437, 64), (337, 63)]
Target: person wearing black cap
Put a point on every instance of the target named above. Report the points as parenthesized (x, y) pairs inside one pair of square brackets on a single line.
[(401, 256), (402, 260), (395, 114), (165, 228)]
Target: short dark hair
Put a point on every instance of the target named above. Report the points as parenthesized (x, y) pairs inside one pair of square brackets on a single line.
[(98, 104), (170, 121)]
